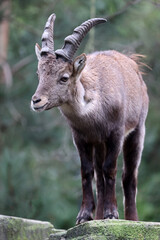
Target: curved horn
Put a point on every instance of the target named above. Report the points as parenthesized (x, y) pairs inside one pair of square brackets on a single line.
[(47, 36), (72, 42)]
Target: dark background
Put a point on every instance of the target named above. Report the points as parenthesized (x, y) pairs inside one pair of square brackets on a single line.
[(39, 166)]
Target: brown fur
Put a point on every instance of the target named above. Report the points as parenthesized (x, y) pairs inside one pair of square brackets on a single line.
[(138, 58), (105, 102)]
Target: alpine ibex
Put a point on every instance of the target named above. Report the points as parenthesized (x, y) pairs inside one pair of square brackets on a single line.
[(105, 102)]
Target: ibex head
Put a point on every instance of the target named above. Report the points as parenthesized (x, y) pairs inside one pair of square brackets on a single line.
[(57, 71)]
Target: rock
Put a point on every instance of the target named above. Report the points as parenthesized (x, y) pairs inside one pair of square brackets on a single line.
[(13, 228), (110, 230)]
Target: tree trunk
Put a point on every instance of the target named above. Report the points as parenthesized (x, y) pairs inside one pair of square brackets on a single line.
[(90, 44), (5, 73)]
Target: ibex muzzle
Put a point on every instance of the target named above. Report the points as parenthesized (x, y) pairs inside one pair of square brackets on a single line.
[(105, 101)]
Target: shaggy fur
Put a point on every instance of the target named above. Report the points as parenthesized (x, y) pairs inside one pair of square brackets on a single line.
[(105, 102)]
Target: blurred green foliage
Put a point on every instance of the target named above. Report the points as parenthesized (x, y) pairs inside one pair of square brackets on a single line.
[(40, 168)]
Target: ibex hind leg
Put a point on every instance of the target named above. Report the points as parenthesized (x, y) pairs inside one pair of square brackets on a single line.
[(132, 150), (99, 154), (113, 147)]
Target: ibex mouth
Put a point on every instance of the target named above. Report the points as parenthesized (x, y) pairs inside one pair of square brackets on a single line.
[(39, 103), (39, 108)]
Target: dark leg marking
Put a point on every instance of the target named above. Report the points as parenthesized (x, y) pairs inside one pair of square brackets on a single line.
[(98, 163), (113, 147), (87, 173), (132, 151)]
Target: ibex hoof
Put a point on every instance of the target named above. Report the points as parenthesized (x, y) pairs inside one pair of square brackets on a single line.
[(84, 216), (111, 215)]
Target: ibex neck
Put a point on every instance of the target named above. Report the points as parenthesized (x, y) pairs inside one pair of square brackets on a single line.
[(80, 104)]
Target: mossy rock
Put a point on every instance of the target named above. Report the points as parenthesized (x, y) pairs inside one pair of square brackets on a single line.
[(111, 230), (13, 228)]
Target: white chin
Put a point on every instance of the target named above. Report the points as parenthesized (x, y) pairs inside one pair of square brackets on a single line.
[(39, 109)]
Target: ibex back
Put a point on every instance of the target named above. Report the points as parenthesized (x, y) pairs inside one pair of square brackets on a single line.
[(104, 99)]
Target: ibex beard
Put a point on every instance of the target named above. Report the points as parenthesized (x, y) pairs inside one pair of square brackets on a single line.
[(104, 100)]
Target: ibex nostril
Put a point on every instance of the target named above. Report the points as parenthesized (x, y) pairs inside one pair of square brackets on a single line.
[(37, 100)]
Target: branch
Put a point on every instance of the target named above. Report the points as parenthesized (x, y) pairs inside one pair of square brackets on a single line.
[(22, 63), (30, 28), (14, 113), (27, 27), (6, 73), (90, 44), (51, 6), (156, 4), (5, 10), (123, 10)]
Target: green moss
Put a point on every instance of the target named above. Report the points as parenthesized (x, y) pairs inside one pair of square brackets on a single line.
[(22, 229), (112, 230)]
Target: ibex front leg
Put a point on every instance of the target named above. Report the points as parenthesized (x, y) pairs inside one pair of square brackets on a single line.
[(87, 173), (113, 147)]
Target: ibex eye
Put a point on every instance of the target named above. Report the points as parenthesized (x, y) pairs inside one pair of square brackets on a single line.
[(64, 78)]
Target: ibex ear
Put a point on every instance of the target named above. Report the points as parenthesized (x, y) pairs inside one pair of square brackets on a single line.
[(79, 63), (38, 51)]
